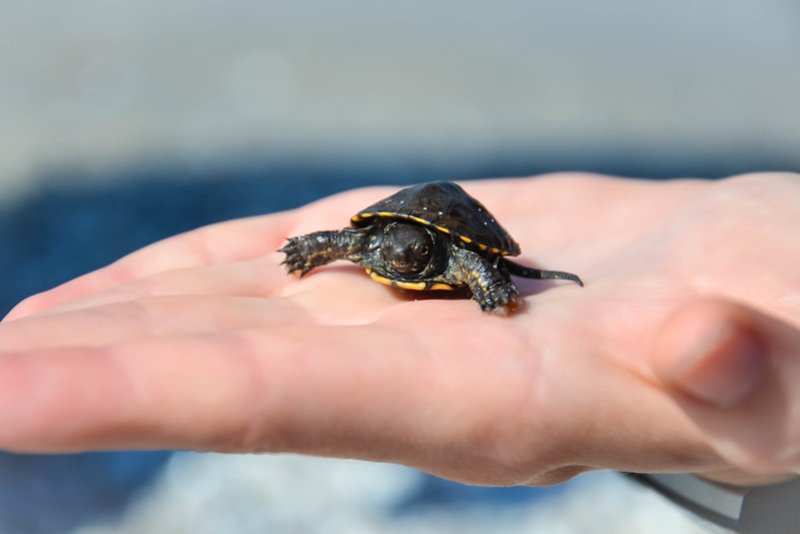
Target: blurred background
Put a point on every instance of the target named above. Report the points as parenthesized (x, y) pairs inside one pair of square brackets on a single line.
[(124, 122)]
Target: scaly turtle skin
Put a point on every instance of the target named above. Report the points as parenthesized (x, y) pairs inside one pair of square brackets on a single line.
[(426, 237)]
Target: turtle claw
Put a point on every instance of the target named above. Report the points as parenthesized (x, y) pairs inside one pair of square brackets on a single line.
[(306, 252), (296, 258), (502, 301), (493, 292)]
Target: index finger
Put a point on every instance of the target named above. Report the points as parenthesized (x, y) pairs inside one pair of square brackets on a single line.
[(367, 391)]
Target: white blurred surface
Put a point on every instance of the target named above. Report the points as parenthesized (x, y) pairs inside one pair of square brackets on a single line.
[(210, 493), (101, 82)]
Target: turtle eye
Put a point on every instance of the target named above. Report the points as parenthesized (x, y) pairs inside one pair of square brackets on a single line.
[(420, 250)]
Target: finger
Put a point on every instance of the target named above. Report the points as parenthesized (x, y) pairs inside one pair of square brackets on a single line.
[(229, 241), (356, 391), (372, 392), (261, 277), (321, 294), (735, 371), (224, 242), (142, 318)]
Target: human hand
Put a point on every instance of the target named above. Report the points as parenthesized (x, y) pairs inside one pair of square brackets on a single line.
[(202, 341)]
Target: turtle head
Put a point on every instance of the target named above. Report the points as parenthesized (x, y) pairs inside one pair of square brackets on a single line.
[(407, 248)]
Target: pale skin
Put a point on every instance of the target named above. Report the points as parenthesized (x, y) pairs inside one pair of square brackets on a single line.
[(680, 354)]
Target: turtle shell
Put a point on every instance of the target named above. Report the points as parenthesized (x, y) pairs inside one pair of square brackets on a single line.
[(448, 208)]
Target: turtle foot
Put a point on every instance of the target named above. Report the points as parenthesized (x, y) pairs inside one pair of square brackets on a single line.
[(502, 301), (298, 257)]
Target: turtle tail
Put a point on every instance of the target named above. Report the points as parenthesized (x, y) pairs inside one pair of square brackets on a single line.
[(540, 274)]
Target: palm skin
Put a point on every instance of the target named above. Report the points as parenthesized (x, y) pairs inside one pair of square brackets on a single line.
[(203, 342)]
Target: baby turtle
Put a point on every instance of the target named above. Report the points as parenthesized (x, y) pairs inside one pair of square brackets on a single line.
[(431, 236)]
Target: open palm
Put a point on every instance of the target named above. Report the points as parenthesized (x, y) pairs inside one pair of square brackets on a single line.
[(202, 341)]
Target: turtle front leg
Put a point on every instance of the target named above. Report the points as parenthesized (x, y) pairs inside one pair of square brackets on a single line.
[(490, 288), (306, 252)]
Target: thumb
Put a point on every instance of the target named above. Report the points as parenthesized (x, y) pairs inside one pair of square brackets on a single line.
[(736, 373)]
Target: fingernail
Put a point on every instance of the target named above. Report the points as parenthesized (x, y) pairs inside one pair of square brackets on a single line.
[(723, 367)]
